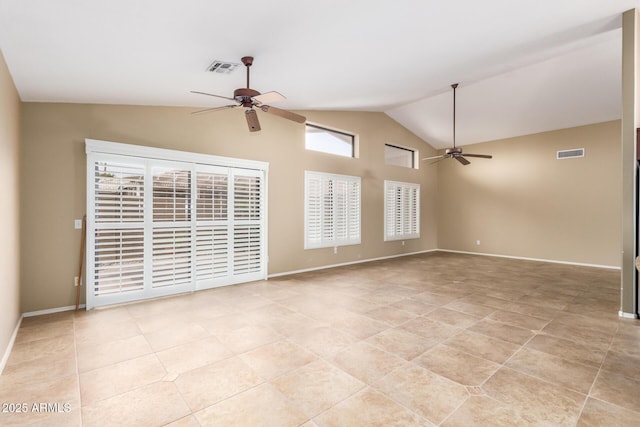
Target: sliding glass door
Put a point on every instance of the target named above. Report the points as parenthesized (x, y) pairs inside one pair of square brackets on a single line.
[(159, 227)]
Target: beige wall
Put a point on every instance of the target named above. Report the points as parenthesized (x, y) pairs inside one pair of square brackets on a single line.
[(9, 222), (526, 203), (522, 203), (53, 173)]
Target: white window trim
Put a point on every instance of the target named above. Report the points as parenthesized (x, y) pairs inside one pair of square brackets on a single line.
[(321, 242), (94, 146), (393, 186)]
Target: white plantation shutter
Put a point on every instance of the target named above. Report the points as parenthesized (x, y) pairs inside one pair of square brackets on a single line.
[(401, 210), (353, 211), (313, 211), (159, 227), (246, 197), (247, 228), (171, 256), (328, 211), (212, 193), (119, 193), (212, 252), (119, 261), (341, 210), (171, 259), (118, 214), (212, 238), (246, 249), (332, 210)]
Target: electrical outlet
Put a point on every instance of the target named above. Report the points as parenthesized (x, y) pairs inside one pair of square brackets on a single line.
[(403, 243), (478, 242), (75, 281), (77, 224), (335, 250)]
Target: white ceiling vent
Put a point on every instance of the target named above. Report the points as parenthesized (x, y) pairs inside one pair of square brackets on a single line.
[(222, 67), (570, 154)]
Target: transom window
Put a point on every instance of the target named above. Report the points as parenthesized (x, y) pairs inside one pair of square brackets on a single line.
[(399, 156), (319, 138)]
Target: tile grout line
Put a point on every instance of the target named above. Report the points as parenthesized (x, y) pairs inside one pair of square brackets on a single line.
[(155, 353), (365, 384), (595, 379), (502, 366)]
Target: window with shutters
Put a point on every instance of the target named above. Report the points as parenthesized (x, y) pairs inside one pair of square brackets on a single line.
[(158, 227), (401, 210), (332, 210)]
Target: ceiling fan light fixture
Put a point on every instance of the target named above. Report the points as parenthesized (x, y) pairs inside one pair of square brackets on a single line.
[(252, 120)]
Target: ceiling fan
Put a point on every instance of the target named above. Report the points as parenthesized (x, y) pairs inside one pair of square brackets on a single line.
[(249, 98), (455, 152)]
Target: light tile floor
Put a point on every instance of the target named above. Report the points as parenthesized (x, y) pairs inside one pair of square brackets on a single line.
[(435, 339)]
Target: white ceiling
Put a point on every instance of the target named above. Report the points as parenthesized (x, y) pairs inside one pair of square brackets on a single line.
[(523, 67)]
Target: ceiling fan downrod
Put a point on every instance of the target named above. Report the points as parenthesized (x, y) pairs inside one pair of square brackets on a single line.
[(454, 86), (248, 62)]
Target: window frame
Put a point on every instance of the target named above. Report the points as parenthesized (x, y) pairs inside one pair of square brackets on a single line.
[(396, 214), (413, 151), (351, 218), (328, 129)]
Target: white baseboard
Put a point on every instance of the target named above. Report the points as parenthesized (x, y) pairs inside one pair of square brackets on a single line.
[(362, 261), (580, 264), (306, 270), (12, 340), (51, 310), (627, 315)]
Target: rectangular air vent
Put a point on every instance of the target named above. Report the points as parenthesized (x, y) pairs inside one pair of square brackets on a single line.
[(222, 67), (570, 154)]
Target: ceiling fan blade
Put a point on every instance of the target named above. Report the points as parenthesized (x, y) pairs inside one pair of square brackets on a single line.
[(435, 157), (211, 94), (252, 120), (438, 160), (208, 110), (481, 156), (269, 97), (283, 113), (462, 160)]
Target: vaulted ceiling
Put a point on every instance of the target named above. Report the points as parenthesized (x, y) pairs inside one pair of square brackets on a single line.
[(523, 67)]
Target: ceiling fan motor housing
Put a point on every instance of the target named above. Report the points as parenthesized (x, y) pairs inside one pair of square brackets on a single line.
[(454, 151), (244, 95)]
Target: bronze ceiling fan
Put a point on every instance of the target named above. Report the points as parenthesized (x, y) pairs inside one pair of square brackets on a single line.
[(455, 152), (249, 98)]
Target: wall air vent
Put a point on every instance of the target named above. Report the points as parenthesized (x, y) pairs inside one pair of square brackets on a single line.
[(222, 67), (570, 154)]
